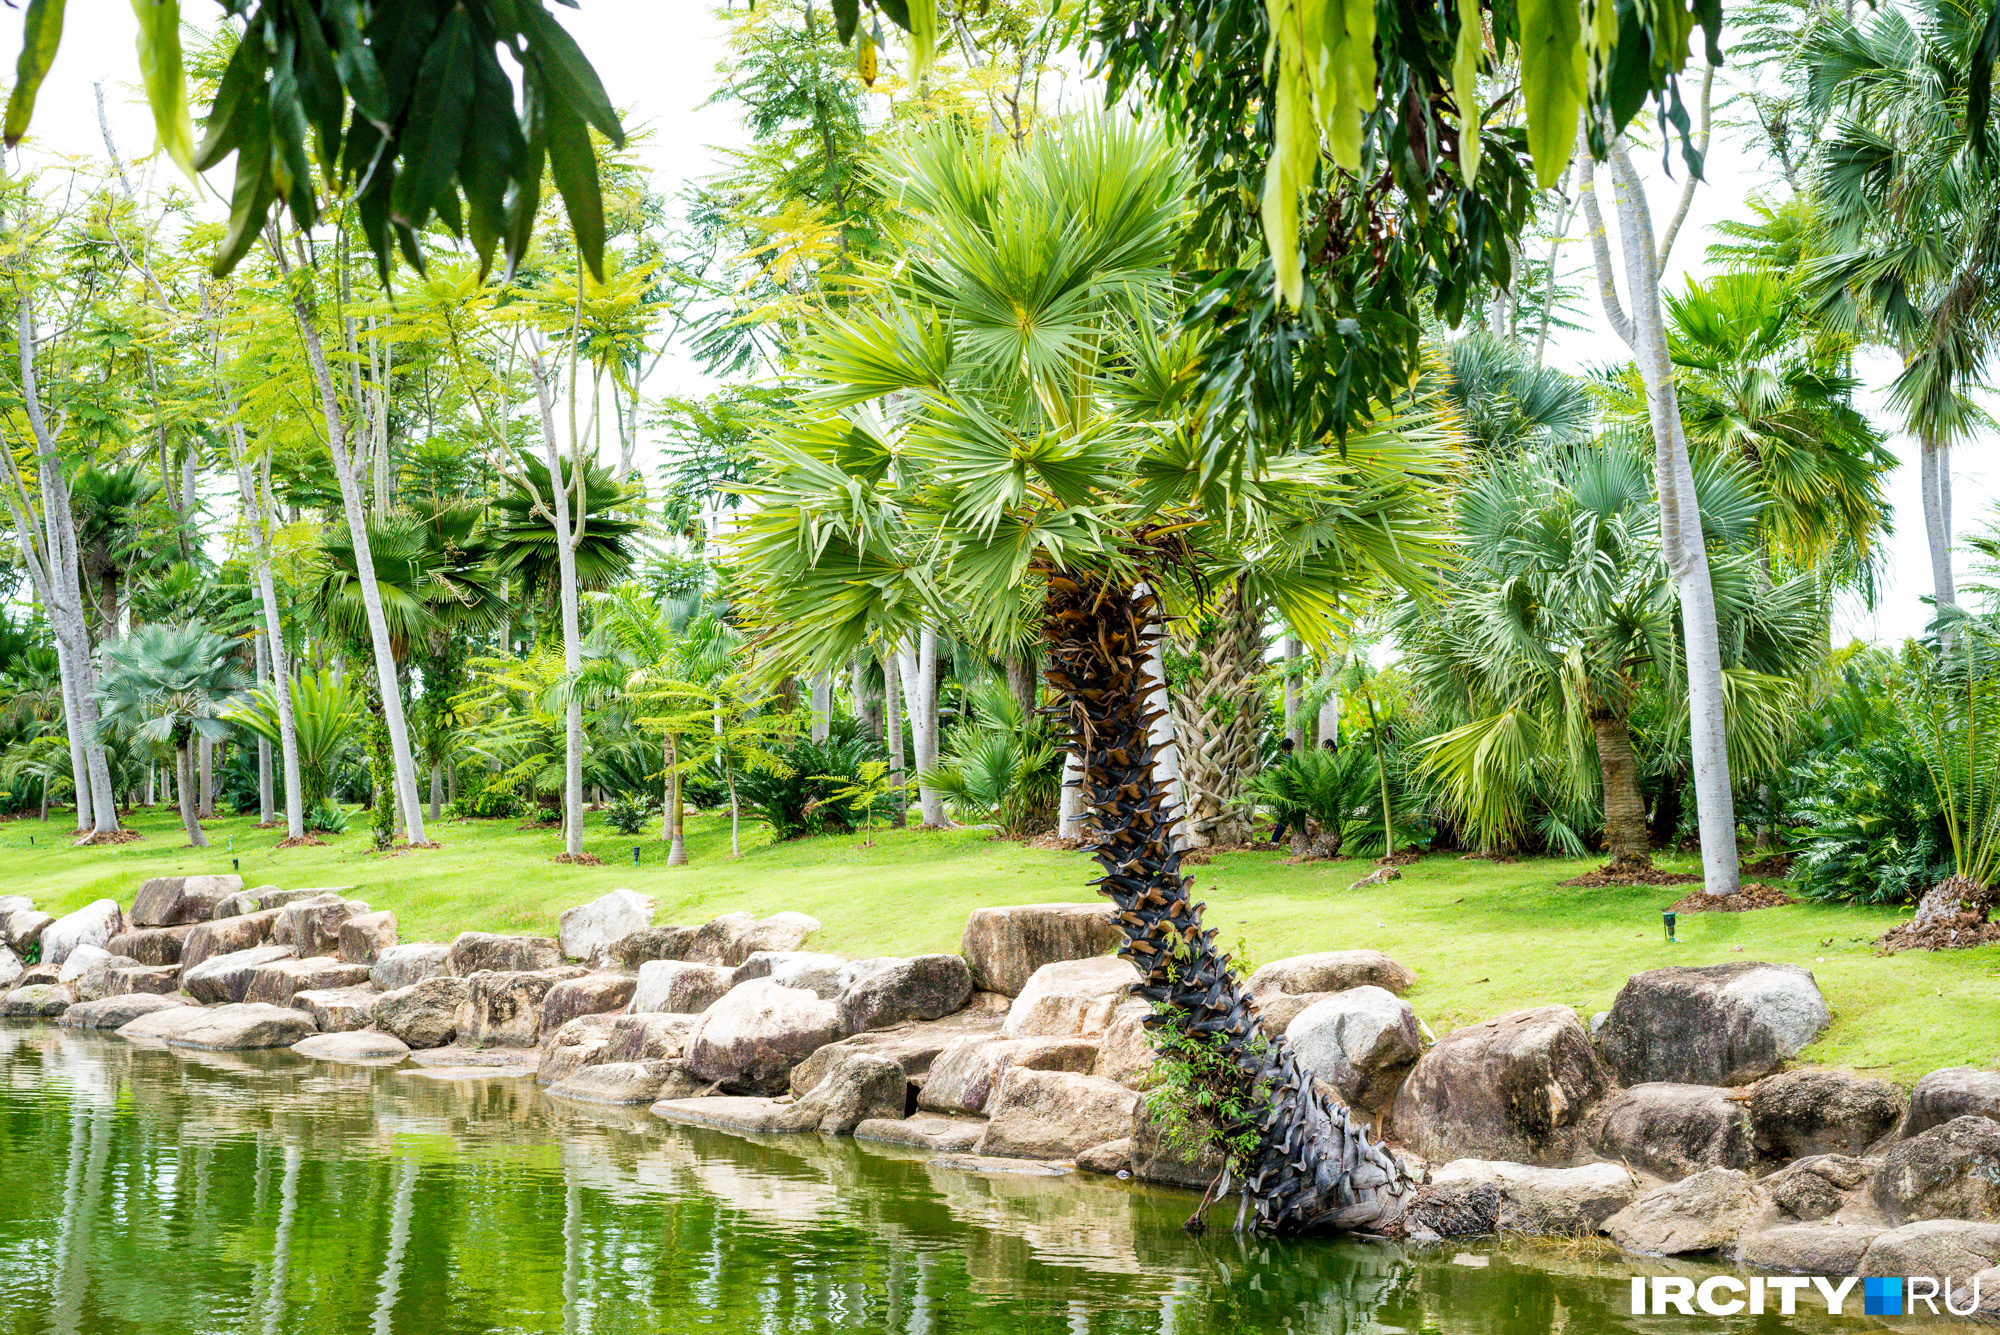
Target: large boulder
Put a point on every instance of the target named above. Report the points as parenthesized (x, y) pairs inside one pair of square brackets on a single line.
[(338, 1010), (1816, 1188), (735, 937), (819, 973), (1520, 1088), (750, 1040), (1956, 1091), (592, 994), (1808, 1249), (964, 1076), (1715, 1024), (174, 901), (1154, 1154), (312, 926), (1948, 1172), (580, 1043), (132, 979), (1674, 1131), (1560, 1201), (1703, 1213), (1331, 971), (1799, 1113), (1938, 1248), (37, 1001), (365, 936), (104, 976), (653, 943), (505, 1009), (244, 1025), (915, 1047), (424, 1014), (676, 987), (116, 1012), (11, 967), (877, 993), (1003, 946), (366, 1047), (1070, 997), (860, 1087), (226, 936), (645, 1038), (477, 952), (152, 945), (22, 927), (92, 925), (1125, 1054), (81, 961), (1054, 1114), (588, 931), (276, 983), (1362, 1041), (227, 977), (628, 1082), (406, 963)]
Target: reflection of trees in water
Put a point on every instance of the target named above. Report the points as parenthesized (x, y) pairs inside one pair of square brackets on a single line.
[(260, 1192)]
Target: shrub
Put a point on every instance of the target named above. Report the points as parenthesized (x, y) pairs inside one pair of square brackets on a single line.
[(1874, 832), (479, 798), (802, 795), (327, 818), (628, 813)]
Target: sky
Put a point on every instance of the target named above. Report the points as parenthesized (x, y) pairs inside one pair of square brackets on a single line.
[(658, 63)]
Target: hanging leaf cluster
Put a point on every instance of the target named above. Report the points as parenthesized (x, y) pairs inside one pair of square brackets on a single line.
[(917, 19), (402, 104)]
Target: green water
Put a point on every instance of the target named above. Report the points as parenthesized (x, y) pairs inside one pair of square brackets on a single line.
[(142, 1190)]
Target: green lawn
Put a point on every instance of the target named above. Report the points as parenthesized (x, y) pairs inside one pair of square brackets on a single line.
[(1484, 938)]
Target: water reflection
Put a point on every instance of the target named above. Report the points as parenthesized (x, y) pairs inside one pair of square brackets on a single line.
[(142, 1190)]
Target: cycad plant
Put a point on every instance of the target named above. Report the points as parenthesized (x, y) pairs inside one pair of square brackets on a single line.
[(1338, 790), (327, 716), (1950, 709), (1002, 764), (172, 683), (1004, 430)]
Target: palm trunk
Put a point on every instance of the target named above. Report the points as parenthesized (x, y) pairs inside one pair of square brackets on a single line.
[(437, 789), (1160, 729), (920, 692), (1626, 841), (1216, 720), (1295, 725), (822, 706), (677, 854), (1310, 1168), (892, 734), (267, 793), (1329, 709), (857, 690), (184, 788), (572, 631), (1935, 480), (205, 757), (1021, 680)]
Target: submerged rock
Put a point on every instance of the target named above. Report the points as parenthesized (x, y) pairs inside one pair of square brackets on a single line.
[(116, 1012), (243, 1025), (1054, 1114), (944, 1135), (366, 1046), (1520, 1087), (1003, 946), (1717, 1024)]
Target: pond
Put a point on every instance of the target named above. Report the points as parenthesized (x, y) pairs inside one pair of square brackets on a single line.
[(143, 1190)]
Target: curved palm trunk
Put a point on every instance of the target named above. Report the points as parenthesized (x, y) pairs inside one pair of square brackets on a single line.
[(184, 788), (1626, 839), (1215, 721), (1312, 1168)]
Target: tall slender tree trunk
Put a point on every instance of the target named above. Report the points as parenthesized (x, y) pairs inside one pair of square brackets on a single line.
[(919, 670), (1626, 842), (204, 751), (73, 728), (255, 491), (1329, 709), (1935, 479), (403, 759), (184, 789), (567, 536), (857, 690), (267, 796), (821, 685), (677, 853), (892, 734), (1295, 724)]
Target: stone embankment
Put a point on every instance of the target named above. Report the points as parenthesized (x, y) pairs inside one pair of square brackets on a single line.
[(1668, 1124)]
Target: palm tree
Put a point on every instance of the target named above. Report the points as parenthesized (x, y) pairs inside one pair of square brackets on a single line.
[(1505, 402), (107, 502), (172, 683), (524, 541), (326, 716), (1004, 435)]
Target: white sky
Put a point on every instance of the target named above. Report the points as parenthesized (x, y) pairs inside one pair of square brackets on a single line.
[(658, 63)]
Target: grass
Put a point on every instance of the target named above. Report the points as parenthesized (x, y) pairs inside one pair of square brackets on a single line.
[(1484, 938)]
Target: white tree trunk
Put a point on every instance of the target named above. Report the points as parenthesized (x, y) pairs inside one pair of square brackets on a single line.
[(567, 536), (1329, 711), (924, 729), (258, 512), (79, 766), (1069, 821), (1935, 478), (821, 686), (1295, 724), (267, 796), (892, 731)]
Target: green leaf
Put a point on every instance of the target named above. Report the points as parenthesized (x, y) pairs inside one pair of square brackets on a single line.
[(359, 74), (573, 162), (41, 34), (524, 197), (571, 80), (250, 200), (846, 17), (1465, 87), (493, 145), (434, 133), (236, 99), (1552, 83), (290, 167), (320, 90), (166, 83), (923, 36)]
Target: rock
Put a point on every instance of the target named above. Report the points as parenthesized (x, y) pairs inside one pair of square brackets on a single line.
[(582, 1042), (425, 1014), (11, 967), (133, 980), (406, 963), (1070, 997), (153, 945), (1004, 946), (941, 1134), (1674, 1131), (1111, 1158), (160, 1025), (1703, 1213), (1717, 1024), (36, 973), (592, 994), (226, 936), (1799, 1113), (965, 1075), (244, 1025), (1934, 1247), (267, 897), (174, 901), (339, 1010), (1276, 1010), (116, 1012), (226, 978), (366, 1046), (276, 983), (1956, 1091), (22, 927), (1124, 1054), (14, 903), (1948, 1172), (1521, 1086), (365, 936), (1816, 1188), (106, 976), (675, 987), (311, 927), (37, 1001), (243, 901), (654, 943), (80, 961), (477, 952), (1157, 1157), (735, 937), (92, 925), (1452, 1212), (753, 1037), (859, 1087), (645, 1038), (1054, 1114), (821, 974), (729, 1112), (877, 993), (588, 931), (628, 1082), (1332, 971), (1808, 1249), (1362, 1041), (1571, 1202), (505, 1009), (991, 1165), (915, 1047)]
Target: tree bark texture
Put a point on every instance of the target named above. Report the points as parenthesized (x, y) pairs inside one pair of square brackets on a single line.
[(892, 730), (572, 630), (1625, 836), (1216, 720)]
